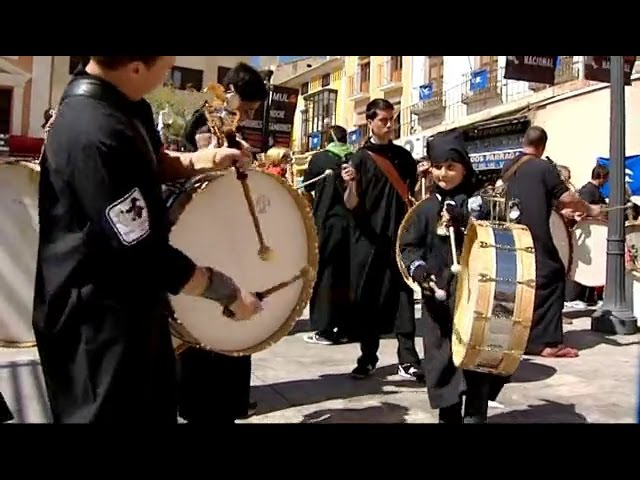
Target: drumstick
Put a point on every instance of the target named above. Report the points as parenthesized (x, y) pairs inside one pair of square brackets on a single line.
[(455, 268), (264, 251), (423, 187), (304, 271), (327, 173)]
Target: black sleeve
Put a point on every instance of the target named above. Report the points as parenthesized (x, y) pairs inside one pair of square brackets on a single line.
[(552, 181), (357, 162), (116, 204), (310, 173), (413, 242), (413, 173), (590, 195)]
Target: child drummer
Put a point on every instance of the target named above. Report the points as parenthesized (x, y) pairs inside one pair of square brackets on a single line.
[(426, 253)]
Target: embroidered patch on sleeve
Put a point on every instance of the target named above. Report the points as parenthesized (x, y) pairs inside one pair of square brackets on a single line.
[(129, 217)]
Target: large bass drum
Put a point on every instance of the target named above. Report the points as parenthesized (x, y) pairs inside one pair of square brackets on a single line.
[(18, 251), (495, 294), (403, 270), (589, 262), (212, 225)]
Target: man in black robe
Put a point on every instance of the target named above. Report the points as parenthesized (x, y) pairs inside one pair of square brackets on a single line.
[(329, 307), (105, 266), (532, 190), (215, 388), (379, 177)]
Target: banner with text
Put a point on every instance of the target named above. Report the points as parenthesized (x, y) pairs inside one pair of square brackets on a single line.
[(284, 101), (598, 69), (531, 69)]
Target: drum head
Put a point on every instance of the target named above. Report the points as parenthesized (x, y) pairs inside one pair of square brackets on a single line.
[(561, 238), (589, 262), (18, 252), (215, 229)]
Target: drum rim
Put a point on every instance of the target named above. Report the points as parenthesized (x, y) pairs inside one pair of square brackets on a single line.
[(313, 258), (402, 230), (34, 167)]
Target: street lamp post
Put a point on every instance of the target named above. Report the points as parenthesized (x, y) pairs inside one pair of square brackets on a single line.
[(615, 316)]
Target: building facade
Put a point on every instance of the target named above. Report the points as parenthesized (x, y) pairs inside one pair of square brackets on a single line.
[(30, 85)]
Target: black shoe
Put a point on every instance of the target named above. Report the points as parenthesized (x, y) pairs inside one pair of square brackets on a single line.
[(451, 414), (363, 371), (411, 371)]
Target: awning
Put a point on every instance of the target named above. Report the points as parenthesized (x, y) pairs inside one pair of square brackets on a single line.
[(492, 160)]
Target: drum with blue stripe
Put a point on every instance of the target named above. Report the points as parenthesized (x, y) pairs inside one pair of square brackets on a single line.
[(494, 297)]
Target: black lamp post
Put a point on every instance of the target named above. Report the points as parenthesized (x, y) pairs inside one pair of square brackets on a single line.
[(615, 316)]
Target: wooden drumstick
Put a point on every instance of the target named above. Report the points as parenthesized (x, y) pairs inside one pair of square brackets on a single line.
[(327, 173), (304, 271), (455, 268), (423, 187), (264, 251)]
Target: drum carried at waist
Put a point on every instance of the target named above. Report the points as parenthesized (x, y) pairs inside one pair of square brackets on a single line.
[(19, 251), (495, 294), (212, 225)]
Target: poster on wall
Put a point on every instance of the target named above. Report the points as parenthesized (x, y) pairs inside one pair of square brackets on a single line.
[(598, 69), (531, 69), (284, 101)]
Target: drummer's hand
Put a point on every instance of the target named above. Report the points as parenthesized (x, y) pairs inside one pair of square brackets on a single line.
[(225, 157), (568, 213), (348, 173), (246, 306), (595, 211), (423, 169)]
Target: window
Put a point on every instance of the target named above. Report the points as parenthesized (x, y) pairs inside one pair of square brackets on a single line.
[(319, 113), (397, 129), (304, 89), (222, 72), (184, 78), (326, 80), (364, 72), (75, 62), (6, 95), (436, 73)]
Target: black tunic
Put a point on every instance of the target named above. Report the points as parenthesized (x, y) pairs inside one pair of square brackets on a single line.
[(421, 243), (382, 299), (105, 264), (538, 186), (330, 302)]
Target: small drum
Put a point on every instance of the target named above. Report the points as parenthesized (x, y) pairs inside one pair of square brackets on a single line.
[(18, 251), (417, 291), (494, 297), (561, 235), (212, 224), (589, 262)]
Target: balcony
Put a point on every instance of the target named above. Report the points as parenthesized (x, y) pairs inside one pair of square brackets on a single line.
[(358, 87), (482, 86), (390, 74)]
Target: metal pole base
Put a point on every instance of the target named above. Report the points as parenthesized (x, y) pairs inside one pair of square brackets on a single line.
[(614, 321)]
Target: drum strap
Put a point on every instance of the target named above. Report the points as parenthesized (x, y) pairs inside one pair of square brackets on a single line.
[(392, 175), (512, 170)]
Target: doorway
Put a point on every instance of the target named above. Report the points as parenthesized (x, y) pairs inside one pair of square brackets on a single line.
[(6, 96)]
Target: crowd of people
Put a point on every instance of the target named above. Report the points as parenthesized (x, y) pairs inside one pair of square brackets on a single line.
[(106, 268)]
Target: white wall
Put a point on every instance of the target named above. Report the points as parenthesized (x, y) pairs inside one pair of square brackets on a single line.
[(455, 69), (40, 93)]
